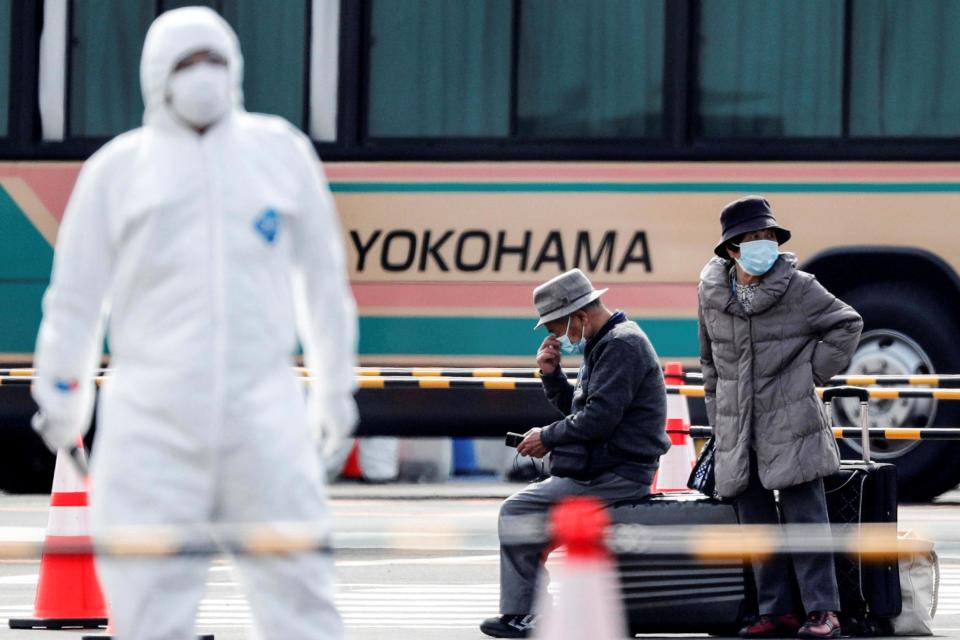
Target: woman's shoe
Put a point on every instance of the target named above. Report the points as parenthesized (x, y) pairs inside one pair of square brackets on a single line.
[(509, 626), (820, 624), (784, 626)]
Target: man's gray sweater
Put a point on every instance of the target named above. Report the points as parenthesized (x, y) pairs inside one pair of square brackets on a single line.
[(619, 399)]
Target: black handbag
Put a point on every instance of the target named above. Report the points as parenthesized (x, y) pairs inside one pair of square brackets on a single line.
[(702, 477)]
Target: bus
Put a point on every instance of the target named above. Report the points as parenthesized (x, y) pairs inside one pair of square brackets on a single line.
[(476, 149)]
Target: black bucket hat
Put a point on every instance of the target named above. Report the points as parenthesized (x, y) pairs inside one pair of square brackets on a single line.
[(751, 213)]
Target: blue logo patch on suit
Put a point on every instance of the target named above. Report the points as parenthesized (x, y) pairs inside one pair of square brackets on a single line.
[(268, 225)]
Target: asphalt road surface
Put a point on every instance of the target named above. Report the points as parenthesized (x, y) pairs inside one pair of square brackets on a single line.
[(415, 561)]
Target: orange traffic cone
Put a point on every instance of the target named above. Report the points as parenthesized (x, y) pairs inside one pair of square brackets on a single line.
[(676, 464), (68, 593), (351, 468), (589, 603), (677, 406)]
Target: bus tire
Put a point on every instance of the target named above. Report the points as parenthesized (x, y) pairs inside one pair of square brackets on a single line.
[(929, 468)]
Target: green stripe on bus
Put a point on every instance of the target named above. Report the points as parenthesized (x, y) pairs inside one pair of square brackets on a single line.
[(18, 326), (387, 335), (645, 187), (484, 336), (26, 254)]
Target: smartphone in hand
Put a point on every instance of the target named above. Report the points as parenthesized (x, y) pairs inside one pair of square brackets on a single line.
[(513, 439)]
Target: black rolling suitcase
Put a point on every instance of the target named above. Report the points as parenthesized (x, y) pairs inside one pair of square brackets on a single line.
[(863, 492), (681, 594)]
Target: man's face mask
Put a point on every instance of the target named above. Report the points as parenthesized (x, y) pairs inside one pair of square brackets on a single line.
[(757, 256), (569, 348), (200, 94)]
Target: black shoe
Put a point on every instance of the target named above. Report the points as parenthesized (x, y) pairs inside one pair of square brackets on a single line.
[(509, 625)]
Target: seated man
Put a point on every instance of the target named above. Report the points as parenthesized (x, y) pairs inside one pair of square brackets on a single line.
[(617, 407)]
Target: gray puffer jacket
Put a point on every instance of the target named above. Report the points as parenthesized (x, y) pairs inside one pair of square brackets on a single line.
[(760, 372)]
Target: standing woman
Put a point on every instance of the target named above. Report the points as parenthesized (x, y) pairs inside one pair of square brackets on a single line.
[(769, 333)]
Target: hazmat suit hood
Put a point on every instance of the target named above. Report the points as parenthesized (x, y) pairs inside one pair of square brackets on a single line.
[(173, 36)]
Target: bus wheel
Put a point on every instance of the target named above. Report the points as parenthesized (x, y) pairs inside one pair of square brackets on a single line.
[(907, 331)]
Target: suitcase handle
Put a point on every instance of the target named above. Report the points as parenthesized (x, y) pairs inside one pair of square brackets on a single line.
[(846, 391)]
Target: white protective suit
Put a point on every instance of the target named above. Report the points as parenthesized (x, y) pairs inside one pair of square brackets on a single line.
[(210, 252)]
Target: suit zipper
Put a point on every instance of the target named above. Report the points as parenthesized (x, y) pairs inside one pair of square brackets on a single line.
[(214, 208)]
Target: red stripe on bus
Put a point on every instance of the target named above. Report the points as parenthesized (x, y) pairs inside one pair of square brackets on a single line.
[(514, 296)]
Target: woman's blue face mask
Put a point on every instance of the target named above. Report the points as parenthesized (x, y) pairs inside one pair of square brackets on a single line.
[(758, 256), (567, 347)]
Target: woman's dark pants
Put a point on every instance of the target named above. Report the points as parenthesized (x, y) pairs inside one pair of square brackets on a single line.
[(802, 504)]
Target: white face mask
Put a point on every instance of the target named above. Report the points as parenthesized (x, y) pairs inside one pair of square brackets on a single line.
[(200, 94)]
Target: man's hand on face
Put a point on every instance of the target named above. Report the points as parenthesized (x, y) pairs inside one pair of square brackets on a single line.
[(548, 355), (532, 445)]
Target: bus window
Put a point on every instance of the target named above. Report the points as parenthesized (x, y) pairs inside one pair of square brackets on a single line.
[(273, 37), (439, 68), (104, 83), (903, 70), (770, 69), (590, 69), (106, 39), (5, 9)]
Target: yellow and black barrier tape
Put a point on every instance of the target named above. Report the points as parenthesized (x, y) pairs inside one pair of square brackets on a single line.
[(876, 433), (871, 541), (697, 391), (451, 372), (932, 380), (900, 393), (502, 383), (165, 542), (402, 382)]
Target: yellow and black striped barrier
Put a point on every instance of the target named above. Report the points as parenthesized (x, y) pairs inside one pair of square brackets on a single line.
[(869, 541), (378, 382), (900, 393), (855, 433), (451, 372), (501, 383), (875, 393), (933, 380), (16, 373), (165, 542), (945, 380), (401, 382), (521, 372)]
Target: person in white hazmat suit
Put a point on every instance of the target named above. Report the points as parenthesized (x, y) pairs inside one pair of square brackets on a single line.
[(209, 237)]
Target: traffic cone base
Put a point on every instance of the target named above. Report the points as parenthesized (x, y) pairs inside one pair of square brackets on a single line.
[(58, 623), (68, 592)]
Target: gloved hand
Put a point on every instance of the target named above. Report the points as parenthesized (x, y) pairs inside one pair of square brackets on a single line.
[(65, 410), (338, 420), (56, 434)]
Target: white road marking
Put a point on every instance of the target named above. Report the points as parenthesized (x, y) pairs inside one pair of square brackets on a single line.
[(371, 605)]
